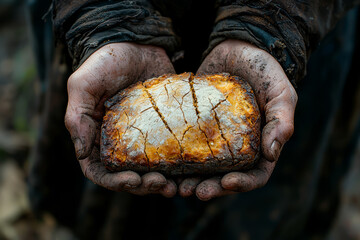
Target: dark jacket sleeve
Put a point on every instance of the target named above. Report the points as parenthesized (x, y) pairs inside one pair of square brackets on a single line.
[(288, 29), (87, 25)]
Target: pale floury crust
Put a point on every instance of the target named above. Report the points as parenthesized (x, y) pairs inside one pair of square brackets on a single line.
[(182, 124)]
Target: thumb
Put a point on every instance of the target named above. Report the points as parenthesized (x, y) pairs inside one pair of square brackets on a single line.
[(82, 129), (279, 113), (79, 118)]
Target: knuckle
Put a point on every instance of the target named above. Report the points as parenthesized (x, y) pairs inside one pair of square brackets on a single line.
[(69, 121), (73, 79), (287, 130), (82, 80), (292, 95)]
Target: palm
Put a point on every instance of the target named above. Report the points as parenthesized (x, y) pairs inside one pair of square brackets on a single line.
[(277, 100), (107, 71)]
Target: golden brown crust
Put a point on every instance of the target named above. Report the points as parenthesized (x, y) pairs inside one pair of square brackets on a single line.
[(182, 124)]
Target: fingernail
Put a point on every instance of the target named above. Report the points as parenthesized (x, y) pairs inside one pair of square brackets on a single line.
[(275, 149), (78, 148)]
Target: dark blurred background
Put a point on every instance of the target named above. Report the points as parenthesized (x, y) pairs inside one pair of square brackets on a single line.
[(19, 115)]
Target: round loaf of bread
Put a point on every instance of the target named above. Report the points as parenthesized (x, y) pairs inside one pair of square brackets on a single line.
[(182, 124)]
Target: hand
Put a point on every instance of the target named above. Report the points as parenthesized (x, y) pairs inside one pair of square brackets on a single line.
[(107, 71), (277, 100)]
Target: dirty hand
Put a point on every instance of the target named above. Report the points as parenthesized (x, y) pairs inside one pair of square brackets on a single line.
[(107, 71), (277, 100)]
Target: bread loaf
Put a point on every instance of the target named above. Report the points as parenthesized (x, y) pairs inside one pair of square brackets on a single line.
[(182, 124)]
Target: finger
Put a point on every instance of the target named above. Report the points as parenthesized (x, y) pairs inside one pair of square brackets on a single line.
[(151, 183), (187, 187), (169, 190), (211, 188), (247, 181), (82, 129), (97, 173), (79, 117), (279, 113)]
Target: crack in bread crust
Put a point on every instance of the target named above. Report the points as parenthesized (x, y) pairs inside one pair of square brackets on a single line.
[(219, 126), (145, 137), (180, 105), (195, 103)]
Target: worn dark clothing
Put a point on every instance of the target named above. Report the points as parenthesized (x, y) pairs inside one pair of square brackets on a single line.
[(289, 30), (286, 208), (102, 23)]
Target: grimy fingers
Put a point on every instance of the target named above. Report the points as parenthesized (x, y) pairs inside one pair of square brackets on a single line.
[(248, 181), (155, 183), (127, 181), (234, 182), (95, 171), (169, 190), (188, 186), (211, 188)]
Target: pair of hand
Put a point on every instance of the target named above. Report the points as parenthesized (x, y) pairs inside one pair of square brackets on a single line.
[(116, 66)]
